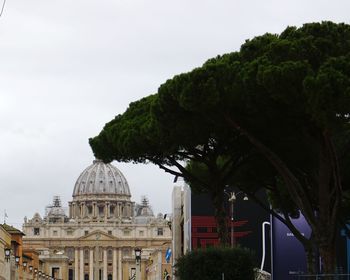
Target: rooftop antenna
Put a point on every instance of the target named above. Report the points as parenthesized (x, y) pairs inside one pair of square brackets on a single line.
[(2, 8)]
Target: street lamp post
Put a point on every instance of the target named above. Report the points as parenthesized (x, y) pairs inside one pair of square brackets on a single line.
[(138, 253), (232, 199)]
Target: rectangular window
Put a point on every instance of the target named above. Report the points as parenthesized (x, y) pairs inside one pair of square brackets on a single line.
[(55, 272), (110, 232), (55, 233), (201, 229), (69, 232), (70, 274), (126, 232), (86, 232), (36, 231), (141, 233), (126, 252), (160, 231)]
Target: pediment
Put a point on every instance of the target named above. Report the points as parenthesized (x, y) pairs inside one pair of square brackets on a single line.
[(97, 235)]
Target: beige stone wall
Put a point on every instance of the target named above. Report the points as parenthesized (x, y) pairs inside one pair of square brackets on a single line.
[(74, 230), (96, 240), (90, 244), (5, 242)]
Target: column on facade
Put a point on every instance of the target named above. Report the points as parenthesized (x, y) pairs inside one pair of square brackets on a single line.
[(94, 212), (76, 210), (76, 264), (81, 264), (81, 205), (118, 209), (105, 211), (82, 209), (114, 264), (159, 264), (73, 210), (70, 209), (108, 209), (91, 264), (111, 210), (122, 209), (132, 209), (120, 272), (104, 263)]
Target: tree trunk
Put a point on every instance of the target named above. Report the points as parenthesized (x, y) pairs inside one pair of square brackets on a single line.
[(311, 260), (329, 194), (328, 255), (220, 217)]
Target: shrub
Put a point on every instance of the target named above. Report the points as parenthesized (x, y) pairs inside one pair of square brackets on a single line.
[(212, 263)]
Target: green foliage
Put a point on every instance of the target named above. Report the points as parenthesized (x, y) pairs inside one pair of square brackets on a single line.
[(209, 264), (274, 115), (132, 136)]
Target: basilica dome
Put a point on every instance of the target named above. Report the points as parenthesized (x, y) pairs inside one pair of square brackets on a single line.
[(101, 178)]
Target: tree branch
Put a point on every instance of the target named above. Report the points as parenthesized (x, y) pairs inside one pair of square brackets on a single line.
[(292, 183)]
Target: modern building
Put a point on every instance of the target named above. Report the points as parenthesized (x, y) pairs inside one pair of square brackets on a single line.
[(181, 220), (98, 236), (195, 226)]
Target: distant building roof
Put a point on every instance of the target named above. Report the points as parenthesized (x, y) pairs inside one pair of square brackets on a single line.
[(11, 229)]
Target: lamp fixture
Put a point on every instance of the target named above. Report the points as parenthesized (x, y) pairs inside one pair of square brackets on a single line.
[(17, 258), (138, 252), (7, 254)]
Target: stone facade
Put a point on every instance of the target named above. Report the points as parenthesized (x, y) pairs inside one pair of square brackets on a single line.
[(10, 269), (5, 242), (97, 238)]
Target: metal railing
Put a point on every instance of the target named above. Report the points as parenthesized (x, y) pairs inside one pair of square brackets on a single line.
[(322, 276)]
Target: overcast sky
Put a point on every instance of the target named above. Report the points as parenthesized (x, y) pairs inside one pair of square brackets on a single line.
[(67, 67)]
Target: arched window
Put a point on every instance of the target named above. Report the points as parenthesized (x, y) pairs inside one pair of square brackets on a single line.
[(101, 210), (70, 253), (111, 210)]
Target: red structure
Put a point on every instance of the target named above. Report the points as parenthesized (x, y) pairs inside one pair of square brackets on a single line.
[(204, 231)]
